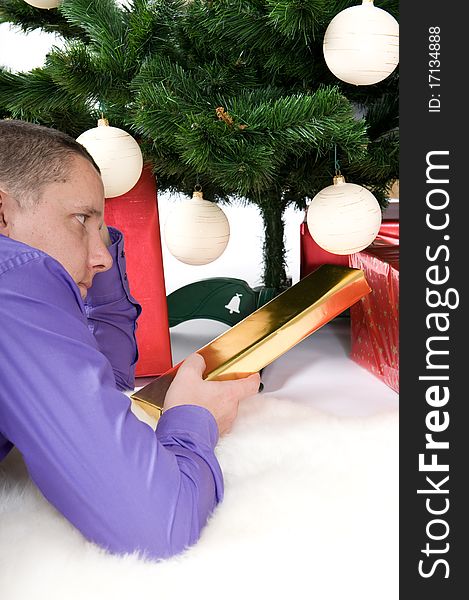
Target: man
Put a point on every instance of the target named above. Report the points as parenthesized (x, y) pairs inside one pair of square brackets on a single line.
[(67, 345)]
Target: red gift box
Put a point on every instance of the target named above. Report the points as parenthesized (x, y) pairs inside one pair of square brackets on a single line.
[(313, 256), (389, 231), (375, 318), (136, 215)]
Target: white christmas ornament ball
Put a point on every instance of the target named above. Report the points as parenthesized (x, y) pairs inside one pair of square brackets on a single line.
[(197, 231), (343, 218), (361, 44), (43, 3), (117, 155)]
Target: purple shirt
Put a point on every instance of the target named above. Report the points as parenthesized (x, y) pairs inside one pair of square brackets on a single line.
[(123, 485)]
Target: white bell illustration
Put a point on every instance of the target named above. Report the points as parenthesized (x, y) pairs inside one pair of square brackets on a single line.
[(233, 304)]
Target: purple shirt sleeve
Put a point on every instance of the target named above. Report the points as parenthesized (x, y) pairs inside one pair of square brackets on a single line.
[(122, 485), (112, 314)]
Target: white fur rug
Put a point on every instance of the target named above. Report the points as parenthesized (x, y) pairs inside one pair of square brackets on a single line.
[(310, 511)]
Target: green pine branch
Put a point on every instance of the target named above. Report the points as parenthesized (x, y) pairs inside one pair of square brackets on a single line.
[(35, 97), (233, 94), (101, 20), (28, 18)]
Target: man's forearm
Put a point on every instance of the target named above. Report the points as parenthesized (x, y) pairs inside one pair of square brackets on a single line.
[(112, 314)]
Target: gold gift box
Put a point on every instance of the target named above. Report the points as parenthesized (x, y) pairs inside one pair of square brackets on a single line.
[(270, 331)]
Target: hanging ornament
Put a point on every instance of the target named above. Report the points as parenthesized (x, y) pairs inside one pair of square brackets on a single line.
[(343, 218), (197, 231), (361, 44), (117, 155), (43, 3)]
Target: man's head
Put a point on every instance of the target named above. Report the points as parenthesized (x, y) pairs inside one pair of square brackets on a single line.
[(52, 198)]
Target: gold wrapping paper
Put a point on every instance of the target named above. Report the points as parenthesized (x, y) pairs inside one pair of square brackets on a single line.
[(270, 331)]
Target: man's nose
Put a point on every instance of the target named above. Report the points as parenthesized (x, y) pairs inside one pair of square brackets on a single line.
[(99, 258)]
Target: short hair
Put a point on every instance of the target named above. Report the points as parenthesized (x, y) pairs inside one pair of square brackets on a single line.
[(33, 156)]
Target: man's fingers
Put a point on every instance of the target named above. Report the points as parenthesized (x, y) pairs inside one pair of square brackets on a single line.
[(196, 362), (104, 233), (247, 386), (251, 384), (254, 381)]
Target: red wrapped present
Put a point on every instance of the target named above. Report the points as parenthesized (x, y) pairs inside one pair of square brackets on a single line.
[(136, 215), (389, 231), (313, 256), (375, 318)]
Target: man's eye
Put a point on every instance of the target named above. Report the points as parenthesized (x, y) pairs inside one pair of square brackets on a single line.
[(81, 218)]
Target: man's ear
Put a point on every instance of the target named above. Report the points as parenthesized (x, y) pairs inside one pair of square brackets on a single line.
[(4, 213)]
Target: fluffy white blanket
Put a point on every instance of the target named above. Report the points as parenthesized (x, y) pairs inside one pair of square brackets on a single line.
[(310, 511)]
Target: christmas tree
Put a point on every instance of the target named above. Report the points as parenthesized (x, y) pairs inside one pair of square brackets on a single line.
[(234, 95)]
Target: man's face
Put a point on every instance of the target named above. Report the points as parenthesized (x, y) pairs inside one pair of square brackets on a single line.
[(66, 223)]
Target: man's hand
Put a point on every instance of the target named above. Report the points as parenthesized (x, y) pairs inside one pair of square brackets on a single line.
[(221, 398), (105, 235)]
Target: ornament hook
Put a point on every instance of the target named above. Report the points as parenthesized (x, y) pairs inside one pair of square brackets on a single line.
[(336, 162)]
